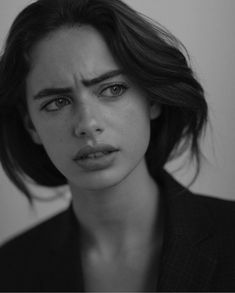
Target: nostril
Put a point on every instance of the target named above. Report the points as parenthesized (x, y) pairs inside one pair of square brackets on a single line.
[(92, 131), (98, 130), (82, 133)]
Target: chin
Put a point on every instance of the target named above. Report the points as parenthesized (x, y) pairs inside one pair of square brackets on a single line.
[(101, 180)]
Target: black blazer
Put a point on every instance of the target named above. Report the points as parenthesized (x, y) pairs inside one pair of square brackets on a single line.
[(198, 252)]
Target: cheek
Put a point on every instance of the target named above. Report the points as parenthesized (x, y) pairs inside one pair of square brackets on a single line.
[(53, 136), (57, 146), (139, 131), (136, 127)]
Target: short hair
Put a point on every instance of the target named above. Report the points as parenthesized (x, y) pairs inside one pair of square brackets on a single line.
[(150, 56)]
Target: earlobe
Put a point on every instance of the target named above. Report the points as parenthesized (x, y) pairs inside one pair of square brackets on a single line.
[(31, 129), (155, 110)]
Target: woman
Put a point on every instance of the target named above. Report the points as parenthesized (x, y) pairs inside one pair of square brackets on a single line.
[(95, 96)]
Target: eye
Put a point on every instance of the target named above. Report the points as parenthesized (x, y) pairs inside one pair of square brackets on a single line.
[(56, 104), (114, 90)]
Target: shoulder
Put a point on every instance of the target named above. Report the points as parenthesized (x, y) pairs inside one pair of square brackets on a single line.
[(225, 207), (221, 211), (198, 215), (222, 215), (216, 217), (207, 223), (36, 234), (215, 214), (24, 256)]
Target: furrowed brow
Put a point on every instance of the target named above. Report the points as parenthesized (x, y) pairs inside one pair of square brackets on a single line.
[(47, 92), (102, 77)]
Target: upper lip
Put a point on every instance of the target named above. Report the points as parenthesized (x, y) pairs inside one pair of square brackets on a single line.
[(87, 150)]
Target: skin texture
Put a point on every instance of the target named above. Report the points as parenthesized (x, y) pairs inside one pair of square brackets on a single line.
[(124, 120), (110, 203)]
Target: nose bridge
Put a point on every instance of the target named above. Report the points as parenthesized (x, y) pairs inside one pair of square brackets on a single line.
[(87, 109), (88, 118)]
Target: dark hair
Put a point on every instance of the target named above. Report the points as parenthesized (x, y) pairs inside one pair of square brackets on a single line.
[(150, 56)]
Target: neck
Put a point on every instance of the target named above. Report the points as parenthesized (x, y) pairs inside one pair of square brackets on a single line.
[(120, 216)]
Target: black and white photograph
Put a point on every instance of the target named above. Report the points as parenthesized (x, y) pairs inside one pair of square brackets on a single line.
[(117, 165)]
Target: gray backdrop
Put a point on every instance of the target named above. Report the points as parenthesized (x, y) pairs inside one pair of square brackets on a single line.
[(206, 27)]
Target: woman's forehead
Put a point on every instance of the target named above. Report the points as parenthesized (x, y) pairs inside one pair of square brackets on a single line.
[(69, 52)]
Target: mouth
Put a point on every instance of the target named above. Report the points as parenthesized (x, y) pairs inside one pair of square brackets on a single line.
[(95, 152), (96, 158), (95, 155)]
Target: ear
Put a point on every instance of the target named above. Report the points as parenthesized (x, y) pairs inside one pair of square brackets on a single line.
[(155, 110), (28, 124)]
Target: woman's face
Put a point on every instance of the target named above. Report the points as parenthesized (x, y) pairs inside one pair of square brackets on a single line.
[(92, 121)]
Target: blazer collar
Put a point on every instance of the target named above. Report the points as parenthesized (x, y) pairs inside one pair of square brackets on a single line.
[(63, 271), (189, 254), (185, 213)]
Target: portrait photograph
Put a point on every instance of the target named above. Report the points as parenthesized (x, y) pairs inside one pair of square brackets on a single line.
[(117, 165)]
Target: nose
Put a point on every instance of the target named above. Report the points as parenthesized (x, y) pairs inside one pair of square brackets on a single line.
[(88, 120)]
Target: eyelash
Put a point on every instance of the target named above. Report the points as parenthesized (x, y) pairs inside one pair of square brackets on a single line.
[(61, 98), (122, 87)]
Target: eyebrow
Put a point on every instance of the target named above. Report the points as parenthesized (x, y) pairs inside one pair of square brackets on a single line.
[(102, 77), (60, 91)]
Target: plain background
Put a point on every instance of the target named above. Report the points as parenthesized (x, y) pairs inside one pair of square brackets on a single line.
[(206, 28)]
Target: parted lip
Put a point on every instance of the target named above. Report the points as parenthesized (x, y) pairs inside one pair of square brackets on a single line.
[(87, 150)]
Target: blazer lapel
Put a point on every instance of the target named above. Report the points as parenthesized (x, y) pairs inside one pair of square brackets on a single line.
[(187, 268), (63, 271), (189, 255)]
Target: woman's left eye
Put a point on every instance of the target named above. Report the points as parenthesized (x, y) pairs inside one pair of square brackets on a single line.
[(114, 90)]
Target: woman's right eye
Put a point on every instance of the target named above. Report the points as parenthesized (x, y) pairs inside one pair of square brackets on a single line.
[(56, 104)]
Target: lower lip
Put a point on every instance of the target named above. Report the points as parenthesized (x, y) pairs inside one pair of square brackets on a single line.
[(96, 164)]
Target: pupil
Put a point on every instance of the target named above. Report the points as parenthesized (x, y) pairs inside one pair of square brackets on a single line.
[(60, 102), (115, 89)]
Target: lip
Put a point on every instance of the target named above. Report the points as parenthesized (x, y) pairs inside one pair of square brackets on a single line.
[(101, 157), (85, 151)]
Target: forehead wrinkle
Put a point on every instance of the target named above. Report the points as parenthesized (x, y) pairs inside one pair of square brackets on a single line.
[(82, 64), (78, 78)]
